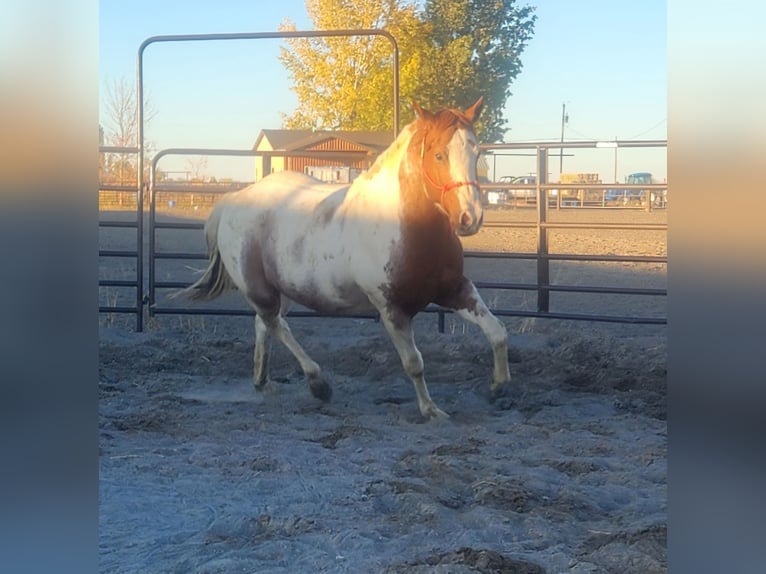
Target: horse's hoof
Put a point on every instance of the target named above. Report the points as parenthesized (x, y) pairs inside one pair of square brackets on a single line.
[(321, 390), (504, 396), (434, 413), (266, 388)]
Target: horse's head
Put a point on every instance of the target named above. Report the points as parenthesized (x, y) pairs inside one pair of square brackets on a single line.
[(448, 154)]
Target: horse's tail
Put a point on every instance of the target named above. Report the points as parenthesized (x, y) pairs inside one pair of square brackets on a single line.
[(215, 279)]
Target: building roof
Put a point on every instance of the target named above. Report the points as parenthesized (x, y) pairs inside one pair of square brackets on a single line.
[(374, 142), (292, 140)]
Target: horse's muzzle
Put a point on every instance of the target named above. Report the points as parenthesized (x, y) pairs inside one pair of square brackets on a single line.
[(470, 222)]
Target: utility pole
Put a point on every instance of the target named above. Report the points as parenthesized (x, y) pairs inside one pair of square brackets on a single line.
[(615, 159), (564, 120)]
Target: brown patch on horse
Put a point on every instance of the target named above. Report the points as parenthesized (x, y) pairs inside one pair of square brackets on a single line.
[(258, 289), (297, 248), (427, 264), (460, 298)]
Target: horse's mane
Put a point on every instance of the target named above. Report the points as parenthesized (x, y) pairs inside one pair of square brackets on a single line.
[(442, 120), (392, 153)]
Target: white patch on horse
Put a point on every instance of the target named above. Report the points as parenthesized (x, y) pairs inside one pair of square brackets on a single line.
[(464, 151)]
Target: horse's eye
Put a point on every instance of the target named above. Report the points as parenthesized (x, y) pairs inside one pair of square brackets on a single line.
[(439, 157)]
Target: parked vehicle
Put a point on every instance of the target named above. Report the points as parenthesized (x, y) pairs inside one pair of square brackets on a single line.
[(522, 195), (510, 196), (628, 197)]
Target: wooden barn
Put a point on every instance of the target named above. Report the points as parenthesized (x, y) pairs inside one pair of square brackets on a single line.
[(333, 156), (318, 152)]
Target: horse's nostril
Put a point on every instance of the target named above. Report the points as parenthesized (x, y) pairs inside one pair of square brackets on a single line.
[(466, 219)]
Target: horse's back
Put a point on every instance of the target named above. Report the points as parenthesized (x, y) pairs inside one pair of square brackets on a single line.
[(283, 187), (287, 195), (288, 230)]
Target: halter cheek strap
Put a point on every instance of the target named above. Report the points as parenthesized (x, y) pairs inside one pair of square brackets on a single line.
[(449, 186)]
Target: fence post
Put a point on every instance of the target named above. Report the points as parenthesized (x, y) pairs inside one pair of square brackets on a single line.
[(152, 237), (543, 271)]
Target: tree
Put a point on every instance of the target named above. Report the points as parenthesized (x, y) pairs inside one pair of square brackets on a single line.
[(450, 53), (197, 164), (120, 111), (330, 74), (477, 45)]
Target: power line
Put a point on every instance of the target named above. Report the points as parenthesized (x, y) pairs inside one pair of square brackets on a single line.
[(655, 126), (582, 135)]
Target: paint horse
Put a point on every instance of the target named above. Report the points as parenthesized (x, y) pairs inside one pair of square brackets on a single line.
[(386, 243)]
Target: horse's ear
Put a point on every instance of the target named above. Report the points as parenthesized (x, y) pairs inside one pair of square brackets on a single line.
[(473, 112), (420, 112)]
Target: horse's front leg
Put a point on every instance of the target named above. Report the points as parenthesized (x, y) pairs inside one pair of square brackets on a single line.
[(469, 305), (399, 328)]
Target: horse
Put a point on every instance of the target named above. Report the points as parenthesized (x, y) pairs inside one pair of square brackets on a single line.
[(386, 243)]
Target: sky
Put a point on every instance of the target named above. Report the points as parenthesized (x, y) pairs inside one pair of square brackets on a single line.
[(604, 60)]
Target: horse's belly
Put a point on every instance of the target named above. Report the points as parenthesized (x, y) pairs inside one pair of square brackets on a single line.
[(319, 270), (329, 298)]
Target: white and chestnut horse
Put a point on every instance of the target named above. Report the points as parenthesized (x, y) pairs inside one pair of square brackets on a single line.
[(386, 243)]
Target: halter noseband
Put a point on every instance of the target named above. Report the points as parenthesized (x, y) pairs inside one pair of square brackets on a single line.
[(447, 186)]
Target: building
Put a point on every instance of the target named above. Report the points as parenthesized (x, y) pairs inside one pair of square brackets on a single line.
[(332, 156), (337, 156)]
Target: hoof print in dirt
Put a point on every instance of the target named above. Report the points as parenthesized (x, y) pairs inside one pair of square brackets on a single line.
[(392, 400), (321, 390), (484, 561), (514, 356)]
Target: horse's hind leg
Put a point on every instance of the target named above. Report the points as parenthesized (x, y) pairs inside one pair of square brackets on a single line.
[(468, 304), (319, 387), (261, 354), (400, 330)]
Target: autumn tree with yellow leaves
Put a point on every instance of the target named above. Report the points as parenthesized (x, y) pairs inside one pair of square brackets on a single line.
[(450, 52)]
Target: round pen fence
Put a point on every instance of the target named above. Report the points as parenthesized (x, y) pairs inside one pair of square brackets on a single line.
[(176, 252), (121, 208), (173, 265)]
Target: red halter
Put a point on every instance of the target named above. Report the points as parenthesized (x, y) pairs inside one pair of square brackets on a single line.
[(447, 186)]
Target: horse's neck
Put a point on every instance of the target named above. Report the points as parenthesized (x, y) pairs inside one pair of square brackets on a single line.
[(417, 207), (396, 179), (401, 163), (388, 162)]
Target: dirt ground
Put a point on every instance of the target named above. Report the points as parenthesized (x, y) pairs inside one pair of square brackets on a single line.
[(200, 473)]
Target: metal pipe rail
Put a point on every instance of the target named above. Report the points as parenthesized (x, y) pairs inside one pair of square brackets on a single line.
[(138, 253)]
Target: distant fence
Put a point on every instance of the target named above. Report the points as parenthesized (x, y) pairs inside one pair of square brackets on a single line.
[(544, 200), (577, 195)]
